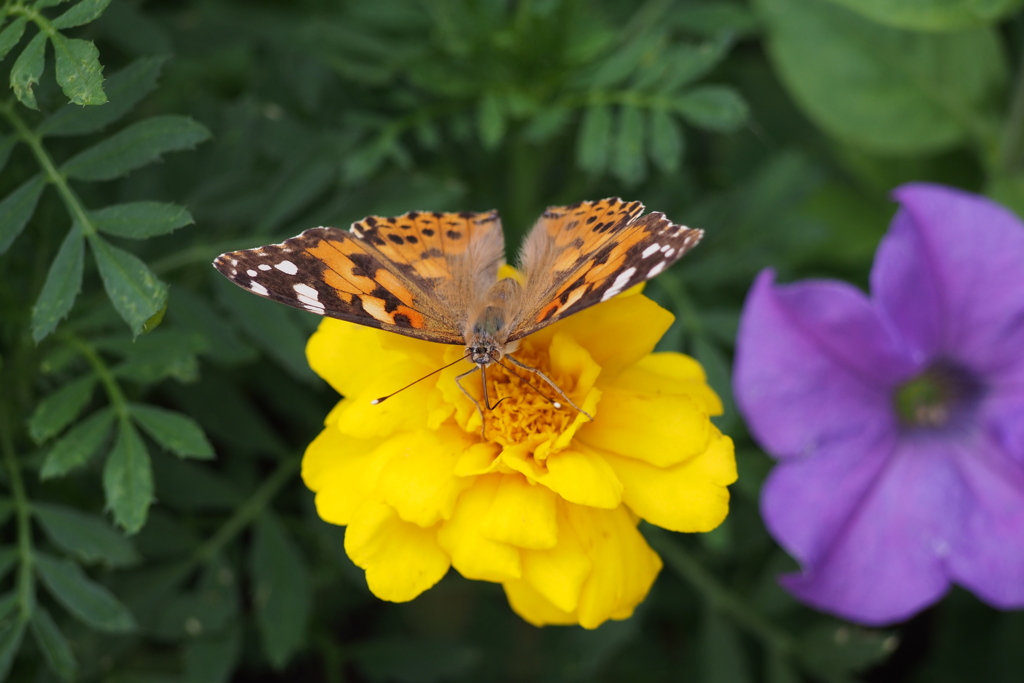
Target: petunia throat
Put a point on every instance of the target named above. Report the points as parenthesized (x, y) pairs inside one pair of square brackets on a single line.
[(944, 395)]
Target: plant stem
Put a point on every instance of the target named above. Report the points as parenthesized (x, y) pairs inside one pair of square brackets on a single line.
[(35, 143), (248, 512), (26, 586), (113, 389)]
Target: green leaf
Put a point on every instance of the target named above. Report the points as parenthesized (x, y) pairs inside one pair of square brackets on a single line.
[(713, 107), (12, 629), (137, 145), (27, 70), (7, 144), (628, 160), (17, 208), (9, 556), (834, 649), (165, 353), (687, 63), (62, 285), (78, 70), (134, 290), (86, 600), (621, 64), (177, 433), (124, 90), (57, 410), (594, 139), (282, 591), (80, 444), (82, 13), (128, 479), (138, 220), (10, 36), (213, 658), (53, 644), (889, 90), (933, 15), (491, 120), (665, 143), (88, 537), (546, 124)]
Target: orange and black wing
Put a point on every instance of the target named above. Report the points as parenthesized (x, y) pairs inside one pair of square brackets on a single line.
[(394, 274), (586, 253)]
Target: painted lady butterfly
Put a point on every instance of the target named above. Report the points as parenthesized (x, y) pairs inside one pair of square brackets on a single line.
[(434, 276)]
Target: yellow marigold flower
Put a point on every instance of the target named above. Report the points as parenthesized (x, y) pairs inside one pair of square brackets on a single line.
[(545, 502)]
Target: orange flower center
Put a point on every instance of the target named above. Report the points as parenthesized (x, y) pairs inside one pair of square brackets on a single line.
[(525, 410)]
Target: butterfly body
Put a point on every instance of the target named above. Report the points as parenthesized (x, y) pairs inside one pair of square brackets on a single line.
[(434, 276)]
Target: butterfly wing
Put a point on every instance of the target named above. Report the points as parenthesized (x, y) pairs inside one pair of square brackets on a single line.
[(579, 255), (399, 274)]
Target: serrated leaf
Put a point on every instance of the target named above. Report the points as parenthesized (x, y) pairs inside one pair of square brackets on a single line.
[(628, 159), (80, 444), (88, 537), (12, 629), (139, 220), (17, 208), (665, 143), (165, 353), (86, 600), (27, 70), (713, 107), (137, 145), (82, 13), (10, 36), (128, 479), (53, 644), (134, 290), (57, 410), (124, 90), (282, 591), (78, 70), (62, 285), (491, 120), (177, 433), (594, 139)]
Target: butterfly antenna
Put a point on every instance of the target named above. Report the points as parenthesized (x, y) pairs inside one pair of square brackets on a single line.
[(555, 404), (377, 401), (549, 382)]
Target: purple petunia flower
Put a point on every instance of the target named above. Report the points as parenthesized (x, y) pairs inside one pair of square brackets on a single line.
[(897, 419)]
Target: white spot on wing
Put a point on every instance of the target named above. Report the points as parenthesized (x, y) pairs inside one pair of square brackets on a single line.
[(258, 288), (649, 250), (263, 266), (307, 291), (287, 267), (251, 272), (619, 283), (657, 269)]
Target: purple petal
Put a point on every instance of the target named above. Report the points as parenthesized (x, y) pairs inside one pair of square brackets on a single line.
[(807, 502), (948, 276), (813, 361), (1001, 415), (988, 556), (890, 559)]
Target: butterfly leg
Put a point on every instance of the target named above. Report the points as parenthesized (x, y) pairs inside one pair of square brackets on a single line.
[(476, 403), (550, 382)]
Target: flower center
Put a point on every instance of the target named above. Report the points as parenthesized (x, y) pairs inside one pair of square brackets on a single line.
[(943, 394), (525, 412)]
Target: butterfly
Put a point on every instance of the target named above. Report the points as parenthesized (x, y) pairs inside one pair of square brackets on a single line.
[(434, 276)]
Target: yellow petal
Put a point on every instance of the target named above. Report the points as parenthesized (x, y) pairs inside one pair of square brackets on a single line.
[(474, 555), (689, 497), (558, 574), (401, 559), (582, 476), (624, 565), (521, 514), (343, 472), (617, 333), (662, 429), (533, 607), (364, 364), (480, 458), (419, 479), (671, 373)]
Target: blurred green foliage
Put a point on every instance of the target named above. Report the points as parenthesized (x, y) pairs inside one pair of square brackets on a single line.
[(153, 526)]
